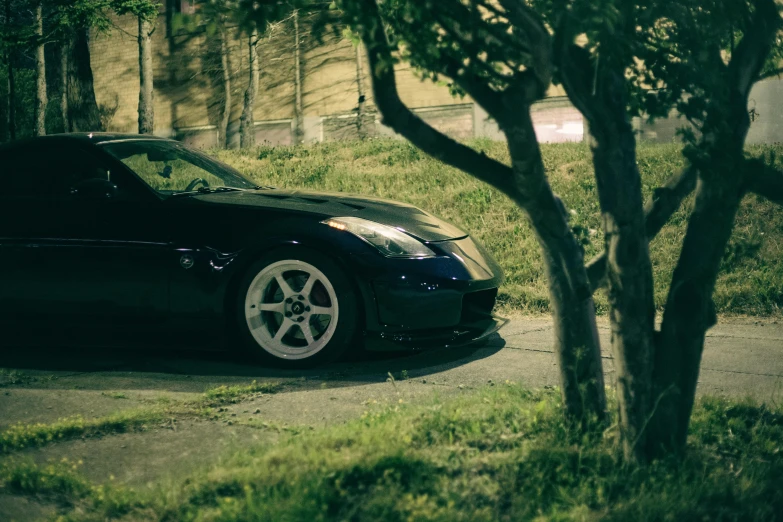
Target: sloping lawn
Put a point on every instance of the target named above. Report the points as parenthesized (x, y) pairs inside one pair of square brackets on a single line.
[(751, 279)]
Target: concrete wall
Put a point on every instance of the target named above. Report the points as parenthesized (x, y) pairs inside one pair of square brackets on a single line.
[(189, 93)]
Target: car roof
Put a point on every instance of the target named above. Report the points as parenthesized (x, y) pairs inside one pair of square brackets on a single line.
[(93, 138)]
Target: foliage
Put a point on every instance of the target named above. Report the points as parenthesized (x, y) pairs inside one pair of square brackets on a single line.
[(498, 453), (144, 9), (751, 279)]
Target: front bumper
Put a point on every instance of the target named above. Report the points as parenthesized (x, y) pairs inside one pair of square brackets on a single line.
[(460, 335), (442, 301)]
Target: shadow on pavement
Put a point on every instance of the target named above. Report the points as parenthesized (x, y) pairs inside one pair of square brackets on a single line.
[(180, 370)]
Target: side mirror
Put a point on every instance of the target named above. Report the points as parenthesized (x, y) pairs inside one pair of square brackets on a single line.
[(95, 189)]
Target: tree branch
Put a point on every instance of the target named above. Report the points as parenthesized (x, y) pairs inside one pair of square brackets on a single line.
[(770, 74), (400, 118), (573, 64), (540, 41), (664, 202), (751, 53), (765, 180)]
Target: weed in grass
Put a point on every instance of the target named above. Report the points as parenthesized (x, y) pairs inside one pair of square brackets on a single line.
[(232, 394), (9, 377), (751, 278), (58, 480), (114, 395)]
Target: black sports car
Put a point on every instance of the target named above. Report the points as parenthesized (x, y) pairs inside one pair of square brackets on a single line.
[(123, 238)]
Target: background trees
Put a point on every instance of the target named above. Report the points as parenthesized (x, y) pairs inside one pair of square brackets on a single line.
[(30, 31)]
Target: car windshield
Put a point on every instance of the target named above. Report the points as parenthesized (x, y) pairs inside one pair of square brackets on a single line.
[(170, 168)]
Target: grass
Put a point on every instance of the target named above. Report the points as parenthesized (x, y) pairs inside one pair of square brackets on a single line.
[(24, 435), (21, 435), (499, 453), (751, 278), (232, 394)]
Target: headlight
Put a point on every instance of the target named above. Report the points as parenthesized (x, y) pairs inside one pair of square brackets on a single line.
[(389, 241)]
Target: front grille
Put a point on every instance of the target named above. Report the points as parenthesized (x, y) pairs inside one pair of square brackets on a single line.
[(478, 305)]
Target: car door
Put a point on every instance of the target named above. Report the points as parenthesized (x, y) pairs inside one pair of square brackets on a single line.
[(73, 256)]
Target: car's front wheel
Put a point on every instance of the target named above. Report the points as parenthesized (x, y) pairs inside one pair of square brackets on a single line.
[(297, 309)]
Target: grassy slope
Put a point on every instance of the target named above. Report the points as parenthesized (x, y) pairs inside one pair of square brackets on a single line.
[(501, 453), (751, 280)]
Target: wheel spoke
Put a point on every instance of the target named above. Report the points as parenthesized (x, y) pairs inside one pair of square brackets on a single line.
[(307, 333), (287, 323), (273, 307), (308, 287), (284, 286), (321, 310)]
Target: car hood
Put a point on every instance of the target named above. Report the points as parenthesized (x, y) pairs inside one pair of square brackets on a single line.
[(412, 220)]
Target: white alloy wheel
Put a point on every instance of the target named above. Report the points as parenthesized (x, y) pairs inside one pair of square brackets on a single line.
[(291, 309)]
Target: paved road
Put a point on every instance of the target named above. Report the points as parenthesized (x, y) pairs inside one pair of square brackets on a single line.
[(742, 357)]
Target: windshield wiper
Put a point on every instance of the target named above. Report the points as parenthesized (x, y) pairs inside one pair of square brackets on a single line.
[(207, 190), (210, 190)]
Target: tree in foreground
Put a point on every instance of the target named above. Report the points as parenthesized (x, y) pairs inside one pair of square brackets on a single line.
[(616, 60), (504, 62)]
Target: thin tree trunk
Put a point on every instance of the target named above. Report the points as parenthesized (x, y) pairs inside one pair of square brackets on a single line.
[(11, 87), (247, 130), (84, 114), (225, 66), (64, 52), (298, 97), (11, 113), (40, 75), (360, 130), (146, 91)]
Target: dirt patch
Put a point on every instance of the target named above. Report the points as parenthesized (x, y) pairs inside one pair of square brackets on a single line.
[(15, 508), (141, 459), (31, 405)]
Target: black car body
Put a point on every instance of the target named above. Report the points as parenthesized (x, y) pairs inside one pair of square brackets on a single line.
[(85, 257)]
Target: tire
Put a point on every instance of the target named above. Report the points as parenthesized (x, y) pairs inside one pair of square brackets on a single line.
[(279, 301)]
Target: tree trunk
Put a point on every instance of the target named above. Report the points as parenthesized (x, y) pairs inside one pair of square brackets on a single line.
[(600, 95), (628, 267), (11, 87), (247, 130), (629, 281), (298, 98), (690, 310), (577, 346), (40, 75), (225, 118), (146, 93), (83, 112), (360, 130), (64, 113), (720, 160)]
